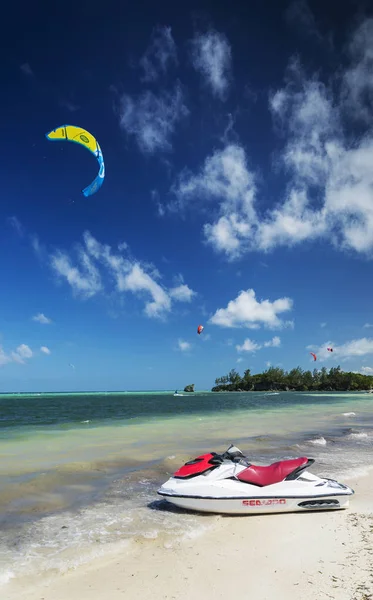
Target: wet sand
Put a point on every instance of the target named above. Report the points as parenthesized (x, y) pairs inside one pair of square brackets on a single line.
[(290, 556)]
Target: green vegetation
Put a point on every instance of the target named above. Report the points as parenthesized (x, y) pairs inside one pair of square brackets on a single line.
[(277, 379), (189, 388)]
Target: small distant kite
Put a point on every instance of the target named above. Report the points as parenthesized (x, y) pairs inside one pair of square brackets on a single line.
[(200, 328), (71, 133), (314, 356), (330, 349)]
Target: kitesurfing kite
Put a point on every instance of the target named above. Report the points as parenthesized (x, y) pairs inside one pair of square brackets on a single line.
[(71, 133), (314, 356), (200, 328), (330, 349)]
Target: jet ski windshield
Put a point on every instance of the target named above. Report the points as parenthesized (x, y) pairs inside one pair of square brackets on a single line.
[(234, 452), (235, 455)]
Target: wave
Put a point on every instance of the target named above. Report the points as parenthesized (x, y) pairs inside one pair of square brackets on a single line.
[(319, 441), (357, 435), (64, 541), (334, 394)]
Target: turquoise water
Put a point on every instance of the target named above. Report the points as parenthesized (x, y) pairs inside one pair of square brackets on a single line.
[(79, 472)]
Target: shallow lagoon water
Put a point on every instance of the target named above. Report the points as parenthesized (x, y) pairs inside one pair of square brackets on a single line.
[(79, 472)]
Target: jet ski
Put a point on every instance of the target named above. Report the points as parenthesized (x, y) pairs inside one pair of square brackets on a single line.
[(229, 483)]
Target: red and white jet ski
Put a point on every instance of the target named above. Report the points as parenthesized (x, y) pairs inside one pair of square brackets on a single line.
[(229, 483)]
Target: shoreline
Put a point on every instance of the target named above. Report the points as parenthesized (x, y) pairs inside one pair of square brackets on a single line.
[(182, 393), (283, 556), (288, 391)]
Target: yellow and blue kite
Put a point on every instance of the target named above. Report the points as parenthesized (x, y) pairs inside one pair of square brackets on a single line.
[(71, 133)]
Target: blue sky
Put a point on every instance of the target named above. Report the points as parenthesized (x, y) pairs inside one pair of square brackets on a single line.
[(238, 146)]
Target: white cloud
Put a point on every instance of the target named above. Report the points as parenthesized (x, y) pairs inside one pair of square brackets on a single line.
[(229, 134), (22, 352), (152, 119), (122, 246), (224, 175), (4, 358), (248, 346), (329, 192), (323, 325), (358, 347), (182, 292), (211, 56), (226, 179), (160, 54), (251, 346), (183, 345), (41, 318), (240, 359), (368, 325), (226, 182), (367, 370), (161, 211), (84, 281), (139, 281), (97, 263), (130, 276), (247, 311), (275, 342), (45, 350), (15, 357), (37, 247), (357, 91), (17, 225)]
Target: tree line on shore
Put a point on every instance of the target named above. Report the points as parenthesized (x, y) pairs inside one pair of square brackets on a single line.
[(276, 379)]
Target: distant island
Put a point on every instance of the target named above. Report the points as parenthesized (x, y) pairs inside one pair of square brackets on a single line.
[(189, 388), (276, 379)]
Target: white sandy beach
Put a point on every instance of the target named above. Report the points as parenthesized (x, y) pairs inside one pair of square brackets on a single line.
[(269, 557)]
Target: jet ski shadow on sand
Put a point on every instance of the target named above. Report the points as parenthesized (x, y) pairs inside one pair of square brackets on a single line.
[(229, 484)]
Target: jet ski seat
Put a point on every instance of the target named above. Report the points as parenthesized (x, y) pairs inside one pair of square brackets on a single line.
[(274, 473)]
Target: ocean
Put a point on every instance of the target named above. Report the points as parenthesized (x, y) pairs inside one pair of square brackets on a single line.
[(79, 472)]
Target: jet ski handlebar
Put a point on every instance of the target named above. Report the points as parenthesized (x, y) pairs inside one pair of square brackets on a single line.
[(232, 453)]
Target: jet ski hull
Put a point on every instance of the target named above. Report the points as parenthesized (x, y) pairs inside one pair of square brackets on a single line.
[(230, 484), (255, 506)]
